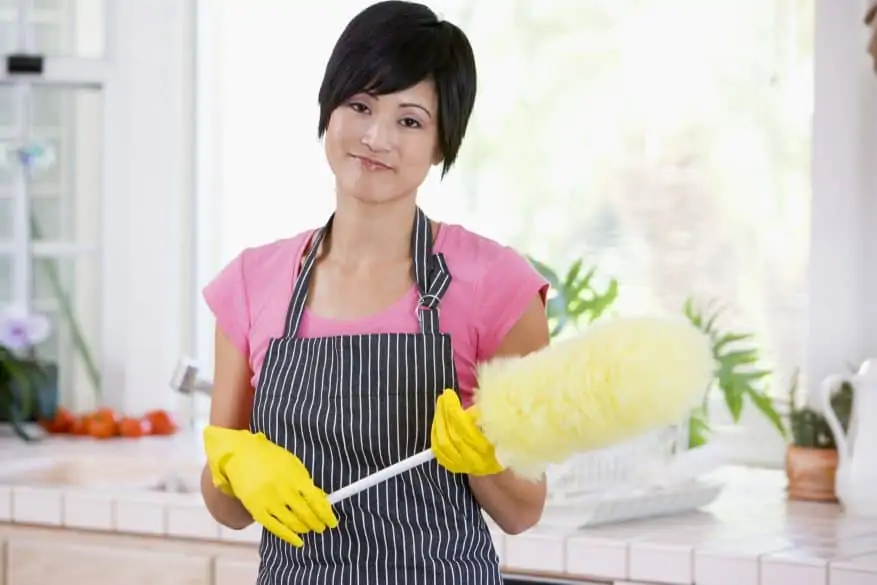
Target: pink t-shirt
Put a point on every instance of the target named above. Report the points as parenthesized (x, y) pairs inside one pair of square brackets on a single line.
[(490, 288)]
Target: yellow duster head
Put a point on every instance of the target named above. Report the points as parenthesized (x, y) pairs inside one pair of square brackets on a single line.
[(622, 377)]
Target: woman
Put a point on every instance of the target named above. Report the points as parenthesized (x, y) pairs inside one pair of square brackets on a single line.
[(334, 348)]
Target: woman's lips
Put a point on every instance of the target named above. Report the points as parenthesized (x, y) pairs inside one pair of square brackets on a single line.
[(371, 164)]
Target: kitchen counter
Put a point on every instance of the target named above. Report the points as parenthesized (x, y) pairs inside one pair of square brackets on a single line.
[(749, 536)]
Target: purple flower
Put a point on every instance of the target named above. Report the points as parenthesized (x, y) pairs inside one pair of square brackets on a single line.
[(20, 330)]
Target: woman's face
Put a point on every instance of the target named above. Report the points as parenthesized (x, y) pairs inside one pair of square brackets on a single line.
[(380, 148)]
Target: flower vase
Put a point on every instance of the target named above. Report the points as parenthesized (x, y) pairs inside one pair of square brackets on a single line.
[(34, 394)]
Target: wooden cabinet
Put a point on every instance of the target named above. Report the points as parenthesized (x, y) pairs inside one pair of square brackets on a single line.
[(40, 556), (32, 562), (236, 572)]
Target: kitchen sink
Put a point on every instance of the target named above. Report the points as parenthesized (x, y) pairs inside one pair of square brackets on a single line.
[(105, 471)]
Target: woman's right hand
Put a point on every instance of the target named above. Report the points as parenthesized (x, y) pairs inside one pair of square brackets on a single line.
[(269, 481)]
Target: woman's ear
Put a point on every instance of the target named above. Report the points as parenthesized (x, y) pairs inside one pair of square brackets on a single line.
[(437, 156)]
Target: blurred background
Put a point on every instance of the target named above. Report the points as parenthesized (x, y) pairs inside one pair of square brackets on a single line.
[(667, 145)]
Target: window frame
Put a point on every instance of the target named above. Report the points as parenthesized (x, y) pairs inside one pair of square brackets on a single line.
[(73, 73)]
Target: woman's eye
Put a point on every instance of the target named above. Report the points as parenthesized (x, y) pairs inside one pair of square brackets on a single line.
[(410, 123), (358, 107)]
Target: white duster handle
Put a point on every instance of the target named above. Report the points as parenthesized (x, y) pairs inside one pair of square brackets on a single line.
[(382, 475)]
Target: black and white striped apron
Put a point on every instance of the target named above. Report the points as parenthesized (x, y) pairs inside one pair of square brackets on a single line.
[(350, 405)]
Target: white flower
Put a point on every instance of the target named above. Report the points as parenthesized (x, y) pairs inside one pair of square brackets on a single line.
[(20, 330)]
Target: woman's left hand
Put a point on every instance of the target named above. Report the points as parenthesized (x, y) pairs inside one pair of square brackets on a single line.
[(457, 442)]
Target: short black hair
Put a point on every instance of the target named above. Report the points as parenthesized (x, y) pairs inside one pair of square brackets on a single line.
[(394, 45)]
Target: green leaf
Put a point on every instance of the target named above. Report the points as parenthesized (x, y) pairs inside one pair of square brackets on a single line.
[(764, 404), (583, 285), (574, 298), (17, 397), (736, 370), (572, 274), (692, 314), (555, 307), (756, 375), (734, 400), (729, 338), (698, 428), (21, 388), (604, 302), (66, 308), (547, 273), (710, 325), (739, 358)]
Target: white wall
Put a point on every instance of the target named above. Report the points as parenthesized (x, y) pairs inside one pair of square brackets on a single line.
[(149, 179), (843, 283)]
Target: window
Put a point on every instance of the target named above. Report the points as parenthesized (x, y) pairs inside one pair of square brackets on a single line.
[(666, 142), (111, 209), (50, 208)]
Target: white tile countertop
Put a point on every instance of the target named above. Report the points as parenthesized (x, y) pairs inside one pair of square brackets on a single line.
[(749, 536)]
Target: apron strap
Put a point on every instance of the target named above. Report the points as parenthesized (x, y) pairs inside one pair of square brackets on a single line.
[(428, 304), (430, 273), (299, 298)]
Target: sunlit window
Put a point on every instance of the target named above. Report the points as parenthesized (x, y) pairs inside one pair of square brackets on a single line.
[(665, 142)]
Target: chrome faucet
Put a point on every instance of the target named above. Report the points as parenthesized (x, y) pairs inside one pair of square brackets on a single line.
[(185, 379)]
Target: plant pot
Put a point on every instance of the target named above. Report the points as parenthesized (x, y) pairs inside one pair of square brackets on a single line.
[(811, 473)]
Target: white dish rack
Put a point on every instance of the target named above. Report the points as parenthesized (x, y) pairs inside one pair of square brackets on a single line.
[(625, 482)]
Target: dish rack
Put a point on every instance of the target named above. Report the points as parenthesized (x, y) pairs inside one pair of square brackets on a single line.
[(612, 484)]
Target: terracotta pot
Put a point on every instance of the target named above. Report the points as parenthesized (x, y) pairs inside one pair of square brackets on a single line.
[(811, 473)]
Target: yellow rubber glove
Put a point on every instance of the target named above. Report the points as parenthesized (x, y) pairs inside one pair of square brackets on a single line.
[(457, 442), (271, 483)]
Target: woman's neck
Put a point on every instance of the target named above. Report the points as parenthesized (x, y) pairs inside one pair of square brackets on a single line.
[(364, 233)]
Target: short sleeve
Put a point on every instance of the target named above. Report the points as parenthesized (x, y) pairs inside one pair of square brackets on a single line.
[(226, 296), (504, 291)]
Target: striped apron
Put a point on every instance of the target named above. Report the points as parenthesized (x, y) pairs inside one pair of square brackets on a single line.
[(350, 405)]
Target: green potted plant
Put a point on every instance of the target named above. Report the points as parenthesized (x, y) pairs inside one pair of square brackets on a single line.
[(811, 456), (28, 385)]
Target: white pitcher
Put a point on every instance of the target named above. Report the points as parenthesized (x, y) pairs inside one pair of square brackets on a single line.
[(856, 478)]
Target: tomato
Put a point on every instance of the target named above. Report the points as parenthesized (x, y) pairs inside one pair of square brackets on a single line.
[(106, 413), (102, 428), (160, 422), (103, 424), (62, 422), (133, 427), (79, 426)]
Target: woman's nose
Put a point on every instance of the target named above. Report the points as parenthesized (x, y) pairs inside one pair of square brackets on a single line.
[(377, 137)]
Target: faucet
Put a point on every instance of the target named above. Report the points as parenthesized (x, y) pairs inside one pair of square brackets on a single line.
[(185, 379)]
